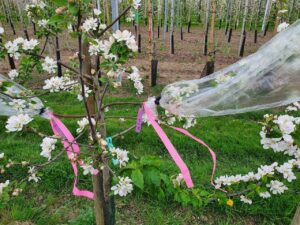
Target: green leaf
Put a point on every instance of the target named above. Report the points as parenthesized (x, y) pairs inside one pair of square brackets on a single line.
[(154, 176), (57, 19), (73, 9), (137, 179), (151, 161)]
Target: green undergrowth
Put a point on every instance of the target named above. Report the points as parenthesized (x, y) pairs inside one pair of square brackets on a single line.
[(235, 140)]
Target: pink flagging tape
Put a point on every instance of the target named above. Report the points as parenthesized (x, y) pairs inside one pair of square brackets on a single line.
[(212, 153), (171, 149), (71, 147)]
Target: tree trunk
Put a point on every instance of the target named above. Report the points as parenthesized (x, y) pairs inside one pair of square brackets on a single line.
[(103, 203), (165, 18), (172, 28), (266, 16), (244, 26), (210, 64), (296, 219)]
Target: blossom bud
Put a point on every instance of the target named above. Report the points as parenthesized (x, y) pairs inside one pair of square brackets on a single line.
[(60, 10), (24, 163)]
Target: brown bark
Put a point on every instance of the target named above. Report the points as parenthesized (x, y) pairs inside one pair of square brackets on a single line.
[(296, 219)]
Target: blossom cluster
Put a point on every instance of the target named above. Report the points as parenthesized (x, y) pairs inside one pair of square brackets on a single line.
[(121, 156), (49, 65), (16, 123), (283, 143), (15, 47), (48, 145), (123, 187), (56, 84), (137, 80), (178, 93), (83, 124), (32, 174)]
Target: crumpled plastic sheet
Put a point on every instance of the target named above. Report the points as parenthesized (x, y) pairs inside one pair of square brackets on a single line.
[(266, 79)]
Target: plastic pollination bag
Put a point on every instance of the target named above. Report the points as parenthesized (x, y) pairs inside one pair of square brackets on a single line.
[(15, 99), (266, 79)]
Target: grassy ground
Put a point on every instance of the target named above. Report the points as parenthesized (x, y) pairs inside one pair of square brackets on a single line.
[(235, 140)]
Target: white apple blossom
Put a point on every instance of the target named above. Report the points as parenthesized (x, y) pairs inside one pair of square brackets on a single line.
[(245, 200), (87, 92), (90, 24), (48, 145), (16, 123), (277, 187), (136, 78), (2, 155), (286, 170), (178, 181), (124, 187), (54, 84), (265, 194), (83, 124), (88, 169), (102, 26), (30, 45), (13, 49), (190, 122), (3, 185), (32, 174), (121, 155), (18, 104), (286, 124), (282, 26), (49, 65), (1, 30), (43, 23), (223, 78), (128, 38), (13, 74), (97, 12)]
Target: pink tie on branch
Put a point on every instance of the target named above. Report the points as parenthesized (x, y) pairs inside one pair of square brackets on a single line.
[(171, 149), (71, 147), (212, 153)]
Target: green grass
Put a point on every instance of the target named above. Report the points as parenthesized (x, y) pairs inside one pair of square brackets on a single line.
[(235, 139)]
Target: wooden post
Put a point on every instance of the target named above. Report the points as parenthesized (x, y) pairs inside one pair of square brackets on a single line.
[(229, 36)]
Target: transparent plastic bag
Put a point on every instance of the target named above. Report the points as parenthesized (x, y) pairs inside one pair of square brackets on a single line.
[(13, 100), (266, 79)]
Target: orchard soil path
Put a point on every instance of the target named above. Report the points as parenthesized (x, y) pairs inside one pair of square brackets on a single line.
[(187, 62)]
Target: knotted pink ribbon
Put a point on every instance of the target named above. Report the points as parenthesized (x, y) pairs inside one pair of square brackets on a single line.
[(71, 147), (171, 149)]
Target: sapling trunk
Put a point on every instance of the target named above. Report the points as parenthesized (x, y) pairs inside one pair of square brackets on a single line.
[(243, 34), (172, 28), (165, 19), (229, 36), (210, 63), (59, 68), (266, 16), (153, 62)]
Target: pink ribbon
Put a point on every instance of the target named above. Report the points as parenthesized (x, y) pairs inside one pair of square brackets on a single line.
[(171, 149), (212, 153), (71, 147)]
